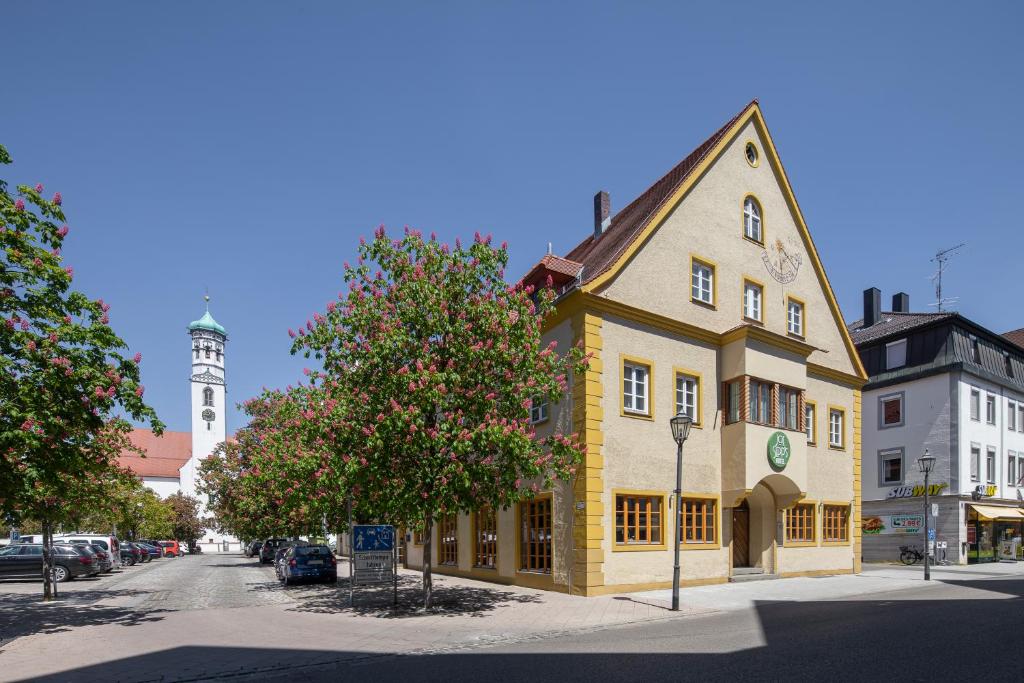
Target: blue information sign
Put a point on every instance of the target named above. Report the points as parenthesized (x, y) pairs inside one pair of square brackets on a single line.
[(931, 534), (370, 537)]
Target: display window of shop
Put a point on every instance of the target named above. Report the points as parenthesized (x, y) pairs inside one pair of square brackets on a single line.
[(639, 520), (535, 535), (980, 541), (890, 410), (485, 534), (448, 550), (800, 524), (699, 520), (835, 523)]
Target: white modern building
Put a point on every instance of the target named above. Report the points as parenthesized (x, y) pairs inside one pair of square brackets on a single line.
[(172, 459), (942, 383)]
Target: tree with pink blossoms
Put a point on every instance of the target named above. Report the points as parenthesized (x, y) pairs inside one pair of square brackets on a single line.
[(66, 382), (430, 361)]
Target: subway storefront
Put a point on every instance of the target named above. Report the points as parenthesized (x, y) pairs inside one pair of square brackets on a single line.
[(994, 532)]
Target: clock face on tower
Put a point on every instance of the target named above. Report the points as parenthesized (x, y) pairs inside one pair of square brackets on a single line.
[(209, 415), (782, 261)]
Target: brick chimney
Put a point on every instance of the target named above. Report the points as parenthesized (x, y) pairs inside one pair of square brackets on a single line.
[(872, 306), (901, 303), (602, 213)]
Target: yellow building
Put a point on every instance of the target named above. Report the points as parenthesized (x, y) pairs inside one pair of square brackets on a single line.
[(704, 295)]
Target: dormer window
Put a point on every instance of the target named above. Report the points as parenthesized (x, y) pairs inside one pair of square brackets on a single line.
[(207, 396), (896, 354)]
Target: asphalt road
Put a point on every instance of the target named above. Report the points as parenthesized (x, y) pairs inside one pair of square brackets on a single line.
[(969, 630)]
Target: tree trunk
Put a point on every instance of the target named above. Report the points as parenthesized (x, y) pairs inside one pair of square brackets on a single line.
[(48, 588), (428, 584)]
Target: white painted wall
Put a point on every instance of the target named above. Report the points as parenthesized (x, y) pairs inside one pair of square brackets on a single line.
[(161, 486), (987, 435)]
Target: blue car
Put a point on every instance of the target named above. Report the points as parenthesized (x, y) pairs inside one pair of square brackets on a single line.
[(153, 551), (308, 563)]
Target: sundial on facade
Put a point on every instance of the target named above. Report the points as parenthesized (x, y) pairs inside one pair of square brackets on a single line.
[(782, 261)]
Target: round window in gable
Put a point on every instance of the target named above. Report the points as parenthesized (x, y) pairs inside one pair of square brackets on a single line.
[(751, 154)]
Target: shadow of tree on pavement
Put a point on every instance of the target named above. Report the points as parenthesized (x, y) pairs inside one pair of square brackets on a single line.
[(24, 615)]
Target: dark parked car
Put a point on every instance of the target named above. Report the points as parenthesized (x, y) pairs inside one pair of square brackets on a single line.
[(308, 563), (155, 551), (269, 549), (143, 554), (25, 561), (130, 555), (279, 555), (253, 548)]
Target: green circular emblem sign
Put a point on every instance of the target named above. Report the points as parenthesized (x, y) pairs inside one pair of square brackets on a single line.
[(778, 450)]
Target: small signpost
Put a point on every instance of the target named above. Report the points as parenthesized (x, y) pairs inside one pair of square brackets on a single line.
[(372, 548)]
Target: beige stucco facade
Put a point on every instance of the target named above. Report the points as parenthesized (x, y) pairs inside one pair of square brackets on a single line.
[(640, 313)]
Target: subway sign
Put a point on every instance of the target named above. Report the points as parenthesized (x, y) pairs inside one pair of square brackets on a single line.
[(915, 491)]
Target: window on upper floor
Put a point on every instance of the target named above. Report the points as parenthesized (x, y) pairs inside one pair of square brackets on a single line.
[(1020, 417), (752, 220), (975, 404), (1011, 416), (896, 354), (975, 350), (890, 466), (635, 390), (789, 406), (538, 409), (836, 428), (990, 409), (752, 296), (733, 400), (688, 395), (794, 317), (760, 402), (811, 422), (990, 465), (891, 410), (207, 396), (975, 462), (1011, 468), (702, 282)]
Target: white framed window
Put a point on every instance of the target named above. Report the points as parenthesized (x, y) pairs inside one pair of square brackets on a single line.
[(975, 404), (1011, 416), (702, 282), (810, 422), (896, 354), (890, 466), (688, 396), (635, 381), (795, 317), (752, 295), (752, 220), (990, 409), (890, 410), (836, 418), (538, 409), (207, 396), (1020, 417), (1011, 468), (990, 465), (975, 462)]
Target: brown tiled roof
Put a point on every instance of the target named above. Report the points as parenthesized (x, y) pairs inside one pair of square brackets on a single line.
[(165, 454), (599, 255), (892, 323), (1016, 337)]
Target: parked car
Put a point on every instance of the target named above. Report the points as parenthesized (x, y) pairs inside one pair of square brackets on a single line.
[(171, 548), (310, 563), (269, 548), (101, 544), (155, 552), (25, 561), (130, 555), (143, 554), (86, 551), (252, 549)]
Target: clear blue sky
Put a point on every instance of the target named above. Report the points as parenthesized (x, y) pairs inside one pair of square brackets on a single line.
[(246, 146)]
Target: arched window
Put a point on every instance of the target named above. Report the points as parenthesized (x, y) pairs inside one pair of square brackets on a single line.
[(207, 396), (196, 349), (752, 220)]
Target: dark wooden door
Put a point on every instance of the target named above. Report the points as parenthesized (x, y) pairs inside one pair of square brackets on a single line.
[(741, 536)]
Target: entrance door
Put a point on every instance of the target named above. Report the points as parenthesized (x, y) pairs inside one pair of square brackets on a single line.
[(741, 535)]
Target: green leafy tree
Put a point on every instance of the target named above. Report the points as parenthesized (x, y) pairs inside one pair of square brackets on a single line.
[(430, 363), (183, 523), (65, 381)]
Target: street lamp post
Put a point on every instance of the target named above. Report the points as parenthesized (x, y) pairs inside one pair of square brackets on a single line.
[(926, 462), (680, 430)]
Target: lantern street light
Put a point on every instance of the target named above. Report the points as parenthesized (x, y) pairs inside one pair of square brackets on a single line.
[(681, 423), (926, 462)]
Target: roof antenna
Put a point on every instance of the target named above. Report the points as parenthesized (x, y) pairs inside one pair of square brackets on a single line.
[(941, 257)]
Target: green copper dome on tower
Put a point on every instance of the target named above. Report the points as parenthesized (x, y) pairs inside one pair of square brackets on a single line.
[(207, 322)]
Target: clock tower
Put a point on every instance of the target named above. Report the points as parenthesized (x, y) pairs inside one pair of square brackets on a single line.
[(209, 392)]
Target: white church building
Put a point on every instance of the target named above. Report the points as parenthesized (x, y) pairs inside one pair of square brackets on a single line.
[(172, 459)]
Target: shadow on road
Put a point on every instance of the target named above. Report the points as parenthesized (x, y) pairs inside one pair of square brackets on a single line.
[(24, 615)]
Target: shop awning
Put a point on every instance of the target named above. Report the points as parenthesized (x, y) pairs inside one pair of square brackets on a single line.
[(998, 512)]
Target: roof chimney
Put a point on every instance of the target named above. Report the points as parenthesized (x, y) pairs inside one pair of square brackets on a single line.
[(901, 303), (602, 213), (872, 306)]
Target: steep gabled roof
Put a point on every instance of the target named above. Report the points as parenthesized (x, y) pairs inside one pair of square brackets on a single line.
[(165, 454), (598, 255), (1015, 337), (893, 323)]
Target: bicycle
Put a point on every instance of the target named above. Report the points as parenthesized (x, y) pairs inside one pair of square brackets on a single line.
[(910, 555)]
